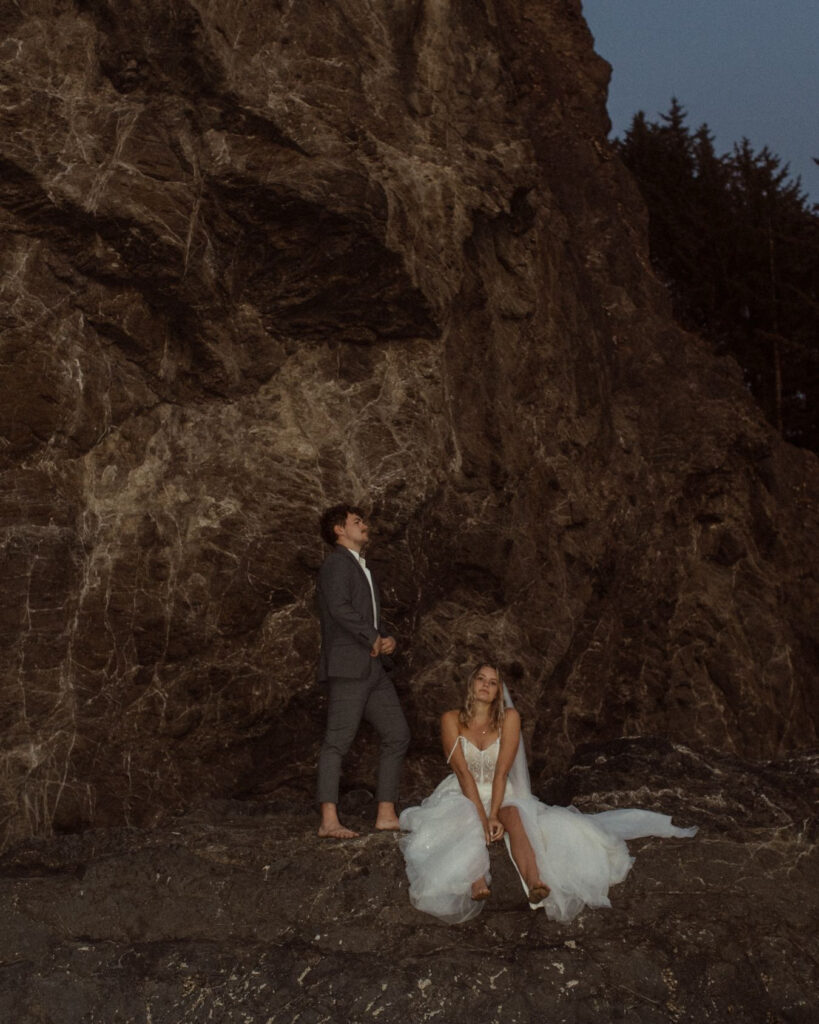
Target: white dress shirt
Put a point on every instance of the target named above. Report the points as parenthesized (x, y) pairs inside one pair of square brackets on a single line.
[(359, 558)]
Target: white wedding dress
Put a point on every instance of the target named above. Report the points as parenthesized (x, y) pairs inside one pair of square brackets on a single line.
[(578, 855)]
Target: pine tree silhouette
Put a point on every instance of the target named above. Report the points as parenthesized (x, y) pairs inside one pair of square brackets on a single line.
[(737, 244)]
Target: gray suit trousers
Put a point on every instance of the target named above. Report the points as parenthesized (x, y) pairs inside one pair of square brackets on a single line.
[(351, 700)]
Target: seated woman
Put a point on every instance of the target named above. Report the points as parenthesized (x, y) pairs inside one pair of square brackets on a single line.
[(566, 860)]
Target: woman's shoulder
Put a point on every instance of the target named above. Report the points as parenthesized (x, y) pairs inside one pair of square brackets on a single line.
[(450, 719), (511, 715)]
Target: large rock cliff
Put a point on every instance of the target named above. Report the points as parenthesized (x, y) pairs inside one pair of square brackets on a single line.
[(260, 256)]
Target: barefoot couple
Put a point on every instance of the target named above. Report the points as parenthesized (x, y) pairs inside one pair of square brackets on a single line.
[(565, 860)]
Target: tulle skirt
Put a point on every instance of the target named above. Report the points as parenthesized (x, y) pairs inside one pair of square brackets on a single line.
[(578, 855)]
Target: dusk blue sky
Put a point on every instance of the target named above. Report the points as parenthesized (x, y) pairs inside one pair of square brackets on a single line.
[(746, 67)]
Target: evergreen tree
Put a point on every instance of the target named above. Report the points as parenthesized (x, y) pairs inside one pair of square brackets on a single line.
[(737, 244)]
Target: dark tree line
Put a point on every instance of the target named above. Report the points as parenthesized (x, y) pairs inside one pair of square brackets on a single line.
[(737, 243)]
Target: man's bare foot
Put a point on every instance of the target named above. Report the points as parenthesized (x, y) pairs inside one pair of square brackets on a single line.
[(331, 827), (386, 820), (337, 831), (480, 890)]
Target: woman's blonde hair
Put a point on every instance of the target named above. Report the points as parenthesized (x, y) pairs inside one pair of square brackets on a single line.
[(496, 708)]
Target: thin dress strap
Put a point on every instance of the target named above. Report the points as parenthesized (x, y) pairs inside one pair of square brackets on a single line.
[(454, 745)]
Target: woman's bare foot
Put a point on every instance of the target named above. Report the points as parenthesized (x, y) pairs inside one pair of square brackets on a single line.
[(480, 890), (538, 892)]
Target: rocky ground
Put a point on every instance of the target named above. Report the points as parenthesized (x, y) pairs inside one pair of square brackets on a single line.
[(236, 912)]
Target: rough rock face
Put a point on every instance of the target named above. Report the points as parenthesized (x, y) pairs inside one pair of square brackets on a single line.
[(237, 913), (261, 256)]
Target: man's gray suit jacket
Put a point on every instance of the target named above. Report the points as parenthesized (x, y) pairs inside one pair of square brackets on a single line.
[(346, 611)]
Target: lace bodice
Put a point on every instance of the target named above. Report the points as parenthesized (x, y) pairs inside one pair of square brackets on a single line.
[(481, 763)]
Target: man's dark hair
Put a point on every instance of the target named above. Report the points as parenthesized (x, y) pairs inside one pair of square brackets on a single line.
[(337, 516)]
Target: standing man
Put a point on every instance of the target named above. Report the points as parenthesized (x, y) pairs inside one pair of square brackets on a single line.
[(352, 648)]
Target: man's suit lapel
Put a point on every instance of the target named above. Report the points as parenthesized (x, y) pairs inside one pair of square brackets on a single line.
[(346, 553), (366, 582)]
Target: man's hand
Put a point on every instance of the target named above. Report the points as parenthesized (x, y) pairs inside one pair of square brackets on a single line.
[(382, 645)]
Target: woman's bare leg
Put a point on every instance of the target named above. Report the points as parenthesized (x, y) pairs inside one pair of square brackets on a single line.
[(522, 852)]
